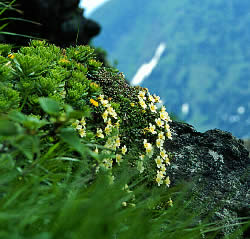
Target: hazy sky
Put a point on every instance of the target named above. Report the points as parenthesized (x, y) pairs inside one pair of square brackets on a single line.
[(91, 5)]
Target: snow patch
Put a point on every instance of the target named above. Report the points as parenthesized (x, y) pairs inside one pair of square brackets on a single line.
[(146, 69)]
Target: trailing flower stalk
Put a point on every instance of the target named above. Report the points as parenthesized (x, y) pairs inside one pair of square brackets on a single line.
[(159, 132)]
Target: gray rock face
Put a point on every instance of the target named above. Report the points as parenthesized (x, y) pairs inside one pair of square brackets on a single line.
[(217, 164), (60, 22)]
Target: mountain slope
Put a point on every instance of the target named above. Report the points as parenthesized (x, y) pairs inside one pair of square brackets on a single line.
[(205, 68)]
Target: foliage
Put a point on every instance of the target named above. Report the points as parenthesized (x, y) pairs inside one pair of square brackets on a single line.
[(205, 63), (82, 152), (124, 119)]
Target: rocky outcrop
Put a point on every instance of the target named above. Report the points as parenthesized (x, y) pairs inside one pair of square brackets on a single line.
[(60, 22), (216, 163)]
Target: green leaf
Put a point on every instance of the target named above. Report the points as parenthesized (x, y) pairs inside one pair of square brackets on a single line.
[(17, 116), (27, 121), (3, 26), (8, 128), (70, 137), (28, 145), (50, 106)]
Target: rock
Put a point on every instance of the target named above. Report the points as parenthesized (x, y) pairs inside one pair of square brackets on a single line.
[(216, 163), (61, 22)]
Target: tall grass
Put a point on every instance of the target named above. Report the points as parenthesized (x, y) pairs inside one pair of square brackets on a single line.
[(8, 6), (56, 196)]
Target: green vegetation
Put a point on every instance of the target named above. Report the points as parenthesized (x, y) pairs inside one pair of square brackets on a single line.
[(81, 152), (206, 60)]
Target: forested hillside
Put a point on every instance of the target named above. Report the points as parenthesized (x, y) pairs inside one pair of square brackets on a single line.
[(206, 65)]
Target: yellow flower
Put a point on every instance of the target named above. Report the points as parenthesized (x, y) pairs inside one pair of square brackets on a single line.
[(94, 85), (151, 129), (108, 163), (101, 97), (93, 102), (108, 129), (167, 181), (11, 56), (159, 179), (83, 122), (157, 98), (164, 115), (163, 108), (82, 132), (142, 156), (109, 122), (163, 154), (141, 95), (152, 107), (160, 174), (159, 122), (63, 60), (132, 104), (75, 124), (161, 136), (118, 158), (167, 161), (117, 142), (79, 127), (158, 161), (105, 103), (96, 150), (170, 202), (167, 127), (124, 204), (124, 150), (112, 112), (159, 143), (99, 133), (105, 115), (169, 135), (117, 124), (163, 169), (151, 98), (147, 146), (142, 104)]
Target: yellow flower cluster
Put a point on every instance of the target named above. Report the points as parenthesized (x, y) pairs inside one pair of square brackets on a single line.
[(93, 102), (11, 56), (64, 60), (161, 129), (114, 141), (80, 126), (110, 133), (158, 131)]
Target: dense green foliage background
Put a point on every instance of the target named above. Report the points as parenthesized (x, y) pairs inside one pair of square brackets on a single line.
[(206, 63)]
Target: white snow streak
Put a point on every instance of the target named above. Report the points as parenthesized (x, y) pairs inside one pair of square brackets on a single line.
[(146, 69)]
